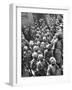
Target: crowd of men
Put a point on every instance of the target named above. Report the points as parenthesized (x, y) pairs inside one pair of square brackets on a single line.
[(42, 47)]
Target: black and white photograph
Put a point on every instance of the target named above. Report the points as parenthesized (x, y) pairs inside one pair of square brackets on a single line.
[(41, 44)]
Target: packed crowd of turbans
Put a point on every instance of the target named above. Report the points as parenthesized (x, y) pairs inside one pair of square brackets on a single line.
[(42, 47)]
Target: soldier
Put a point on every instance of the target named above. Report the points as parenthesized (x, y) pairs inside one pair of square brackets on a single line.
[(42, 47), (53, 67), (48, 53), (29, 57), (24, 62), (41, 66), (33, 63)]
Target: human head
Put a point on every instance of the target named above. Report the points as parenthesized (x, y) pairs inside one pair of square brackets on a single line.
[(35, 48), (40, 57), (52, 60), (34, 55), (25, 48)]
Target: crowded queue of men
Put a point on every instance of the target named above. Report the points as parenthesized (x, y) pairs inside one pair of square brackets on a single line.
[(42, 47)]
